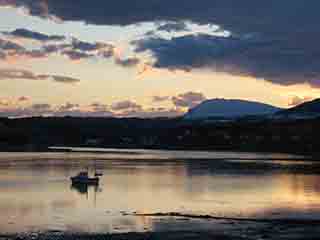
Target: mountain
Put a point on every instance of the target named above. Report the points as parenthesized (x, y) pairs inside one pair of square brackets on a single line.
[(305, 110), (229, 108)]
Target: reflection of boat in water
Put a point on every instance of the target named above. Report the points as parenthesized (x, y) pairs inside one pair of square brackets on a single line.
[(80, 188), (84, 179), (84, 188), (82, 182)]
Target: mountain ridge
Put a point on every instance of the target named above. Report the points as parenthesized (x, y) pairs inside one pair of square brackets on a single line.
[(229, 108)]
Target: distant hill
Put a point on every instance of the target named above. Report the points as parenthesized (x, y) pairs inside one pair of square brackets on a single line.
[(304, 110), (229, 108)]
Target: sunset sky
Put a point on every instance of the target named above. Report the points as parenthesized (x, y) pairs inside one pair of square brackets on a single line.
[(152, 58)]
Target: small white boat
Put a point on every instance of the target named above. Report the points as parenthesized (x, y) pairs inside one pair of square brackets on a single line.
[(83, 178)]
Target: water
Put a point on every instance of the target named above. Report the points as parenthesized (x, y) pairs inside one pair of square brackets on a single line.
[(36, 193)]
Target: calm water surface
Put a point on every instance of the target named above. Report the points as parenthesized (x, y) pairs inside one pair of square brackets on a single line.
[(36, 194)]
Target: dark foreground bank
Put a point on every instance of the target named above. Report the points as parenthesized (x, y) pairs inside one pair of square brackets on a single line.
[(252, 135), (229, 230), (298, 232)]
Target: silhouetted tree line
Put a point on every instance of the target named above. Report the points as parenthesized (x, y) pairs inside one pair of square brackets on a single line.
[(295, 136)]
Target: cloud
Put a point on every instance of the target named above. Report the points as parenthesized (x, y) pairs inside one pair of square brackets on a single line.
[(12, 49), (78, 50), (10, 46), (88, 47), (41, 107), (296, 100), (38, 109), (45, 109), (273, 40), (99, 107), (68, 106), (160, 98), (188, 99), (122, 109), (128, 62), (28, 34), (76, 55), (4, 102), (74, 50), (23, 99), (125, 105), (17, 74), (152, 113), (275, 61), (13, 101), (286, 17), (173, 27), (54, 48), (20, 112), (2, 55), (60, 111), (32, 54), (6, 74)]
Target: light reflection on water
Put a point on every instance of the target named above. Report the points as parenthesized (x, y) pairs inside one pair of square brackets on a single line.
[(36, 193)]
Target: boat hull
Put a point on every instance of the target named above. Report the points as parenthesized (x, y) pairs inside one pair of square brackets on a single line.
[(87, 181)]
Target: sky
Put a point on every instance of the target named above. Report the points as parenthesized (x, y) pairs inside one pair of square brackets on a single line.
[(143, 58)]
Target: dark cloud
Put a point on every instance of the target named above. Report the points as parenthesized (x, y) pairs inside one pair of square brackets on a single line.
[(188, 99), (88, 47), (28, 34), (275, 61), (266, 17), (125, 105), (173, 27), (296, 100), (75, 50), (287, 51), (28, 75)]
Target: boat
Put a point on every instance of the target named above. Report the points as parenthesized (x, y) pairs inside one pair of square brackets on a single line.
[(83, 178)]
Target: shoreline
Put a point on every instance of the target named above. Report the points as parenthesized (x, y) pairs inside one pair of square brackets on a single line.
[(139, 152)]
